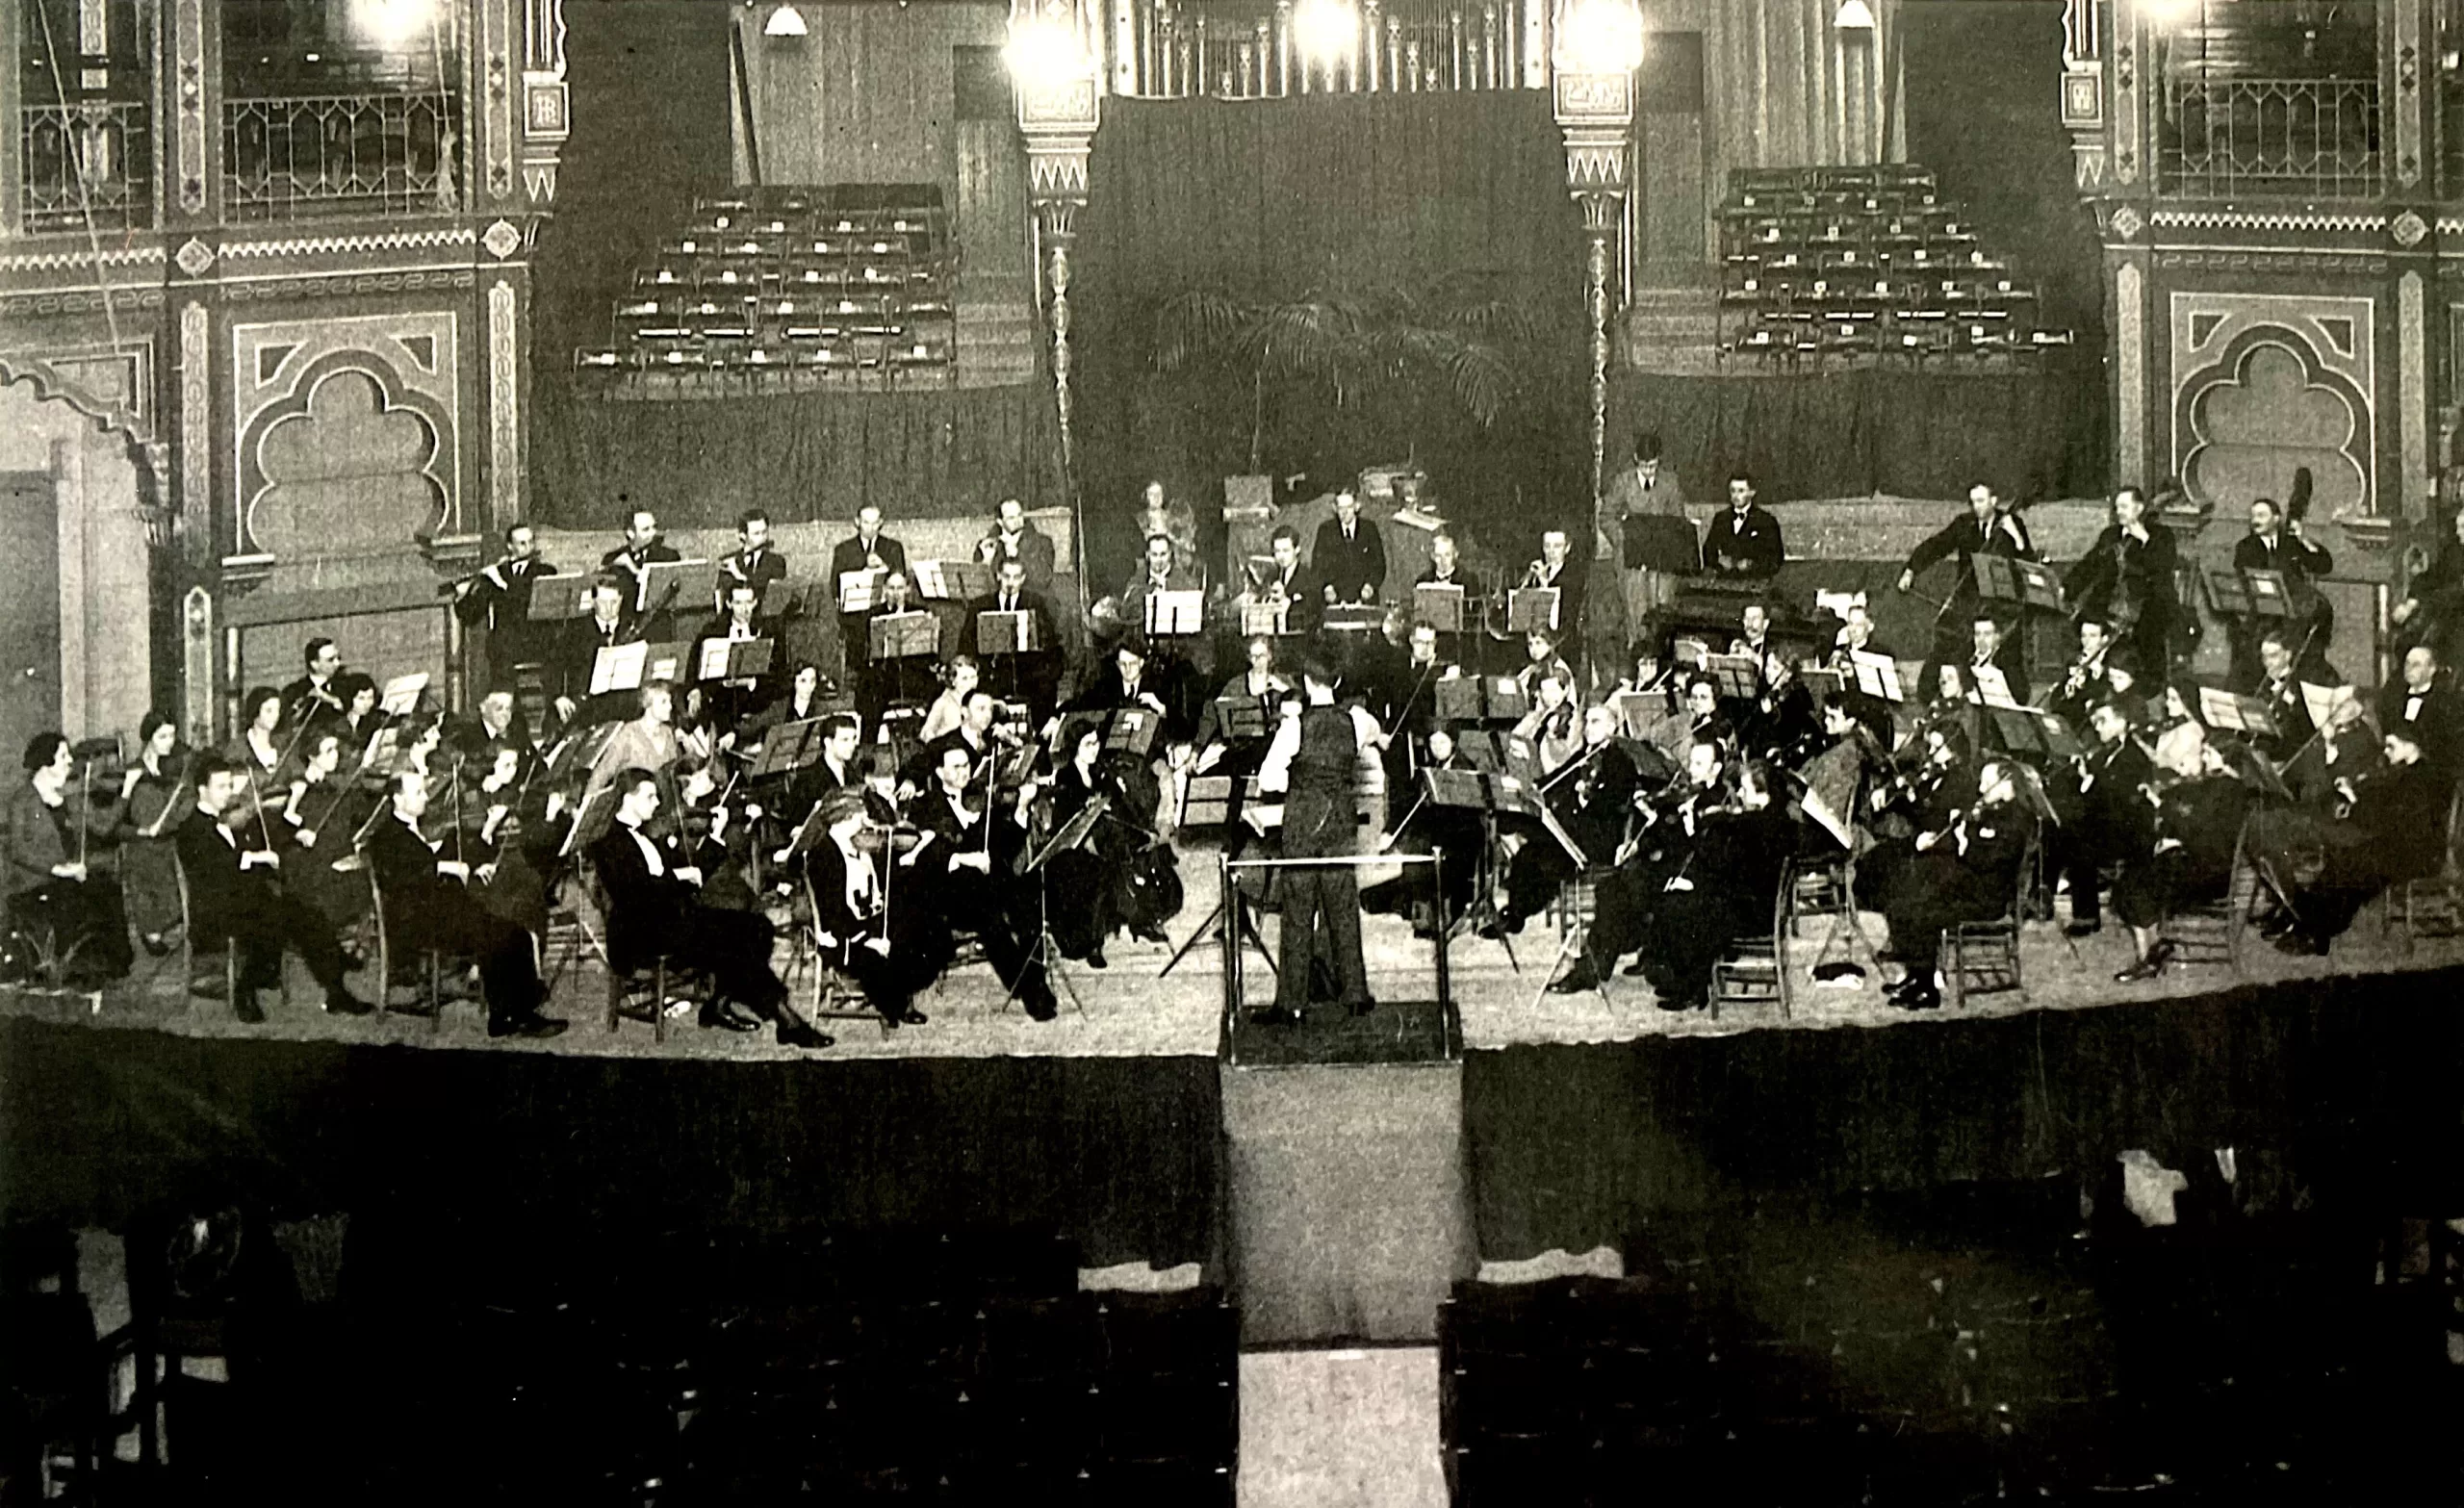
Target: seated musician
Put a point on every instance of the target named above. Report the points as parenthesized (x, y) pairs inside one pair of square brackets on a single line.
[(1444, 565), (1095, 890), (715, 836), (1590, 794), (2280, 686), (2086, 681), (1931, 781), (1540, 661), (1555, 724), (151, 795), (734, 701), (358, 719), (607, 626), (315, 693), (2199, 806), (1260, 682), (861, 927), (2428, 702), (630, 563), (647, 741), (1159, 571), (324, 813), (2106, 820), (234, 892), (494, 724), (2390, 827), (64, 908), (1032, 676), (2432, 610), (1856, 635), (519, 825), (974, 737), (655, 910), (1127, 681), (966, 872), (1708, 720), (428, 904), (1015, 537), (756, 562), (949, 709), (836, 770), (264, 738), (1743, 543), (1424, 826), (1992, 646), (1968, 871)]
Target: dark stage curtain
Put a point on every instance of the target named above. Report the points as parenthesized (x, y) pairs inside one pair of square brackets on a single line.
[(1119, 1153), (1275, 199), (1852, 434), (804, 456), (2341, 1081)]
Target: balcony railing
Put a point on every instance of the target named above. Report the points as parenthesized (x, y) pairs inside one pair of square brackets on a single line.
[(86, 160), (2312, 139), (305, 156), (1184, 52)]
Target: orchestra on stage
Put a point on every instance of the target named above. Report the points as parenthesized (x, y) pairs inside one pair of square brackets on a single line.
[(899, 766)]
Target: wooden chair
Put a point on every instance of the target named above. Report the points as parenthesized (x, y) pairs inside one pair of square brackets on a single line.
[(430, 961), (834, 996), (2211, 931), (624, 983), (1755, 971), (2432, 906), (1983, 958), (1571, 913), (230, 951)]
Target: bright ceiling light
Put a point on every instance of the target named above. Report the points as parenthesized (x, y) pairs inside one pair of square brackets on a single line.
[(1044, 52), (785, 21), (1600, 36), (1855, 16), (1326, 29), (2167, 13), (390, 25)]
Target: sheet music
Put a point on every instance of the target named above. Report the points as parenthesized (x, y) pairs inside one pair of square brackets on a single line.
[(714, 660), (1876, 675), (1175, 614), (402, 696), (858, 590), (619, 667), (1994, 688)]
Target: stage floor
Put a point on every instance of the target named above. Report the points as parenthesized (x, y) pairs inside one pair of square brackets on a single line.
[(1132, 1009)]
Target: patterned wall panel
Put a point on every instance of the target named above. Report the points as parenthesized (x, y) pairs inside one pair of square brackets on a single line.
[(2266, 382), (346, 433)]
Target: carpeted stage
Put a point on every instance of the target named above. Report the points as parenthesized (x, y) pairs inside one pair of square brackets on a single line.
[(1560, 1122)]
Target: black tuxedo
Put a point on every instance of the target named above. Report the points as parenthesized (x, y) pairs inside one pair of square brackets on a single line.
[(576, 651), (2117, 566), (629, 565), (1350, 565), (250, 907), (424, 908), (1747, 549), (753, 568), (654, 916), (301, 700), (999, 907), (889, 982), (499, 603), (1592, 805), (2108, 822), (1034, 676), (1569, 580), (2435, 717)]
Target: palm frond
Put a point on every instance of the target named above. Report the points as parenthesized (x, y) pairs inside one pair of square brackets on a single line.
[(1197, 325)]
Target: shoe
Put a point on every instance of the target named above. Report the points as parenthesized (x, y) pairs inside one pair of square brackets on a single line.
[(1927, 998), (1361, 1008), (1043, 1007), (796, 1033), (1276, 1015), (2145, 969), (247, 1009), (2083, 928), (533, 1025), (726, 1018), (2162, 953), (155, 945), (2302, 945), (1580, 979), (1674, 1003), (912, 1017), (1095, 960), (342, 1003), (1150, 934), (353, 963), (1633, 970)]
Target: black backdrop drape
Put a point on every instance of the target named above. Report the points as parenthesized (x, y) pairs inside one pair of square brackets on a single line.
[(1119, 1153), (1272, 199), (2336, 1080)]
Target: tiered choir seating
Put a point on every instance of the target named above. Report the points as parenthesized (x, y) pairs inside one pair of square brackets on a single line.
[(1865, 262), (845, 284)]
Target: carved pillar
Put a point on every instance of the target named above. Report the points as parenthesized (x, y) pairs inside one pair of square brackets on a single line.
[(1058, 114), (1596, 114), (546, 103)]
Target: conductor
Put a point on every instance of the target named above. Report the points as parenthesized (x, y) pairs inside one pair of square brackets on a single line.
[(1312, 757)]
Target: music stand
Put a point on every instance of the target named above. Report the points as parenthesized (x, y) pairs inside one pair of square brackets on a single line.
[(1012, 633), (1531, 609), (551, 607), (1481, 698), (660, 582), (1206, 802), (401, 695), (859, 590), (1175, 615), (1132, 731), (2322, 702), (2270, 596), (1736, 676), (1994, 688), (2225, 710), (903, 636), (787, 597), (1266, 619), (2228, 594), (787, 748), (735, 659), (666, 662), (1661, 541), (618, 667), (1876, 675), (1438, 604), (1241, 718)]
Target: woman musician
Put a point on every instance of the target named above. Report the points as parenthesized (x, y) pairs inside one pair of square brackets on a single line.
[(64, 911), (1119, 877), (154, 797), (869, 920)]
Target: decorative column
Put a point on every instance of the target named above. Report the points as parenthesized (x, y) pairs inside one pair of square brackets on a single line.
[(1599, 43), (1058, 108)]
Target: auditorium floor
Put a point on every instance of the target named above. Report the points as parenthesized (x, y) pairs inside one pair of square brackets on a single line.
[(1132, 1010)]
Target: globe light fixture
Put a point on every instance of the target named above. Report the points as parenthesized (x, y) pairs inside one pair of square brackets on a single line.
[(786, 21), (1043, 52), (1854, 16), (1326, 30), (1599, 37)]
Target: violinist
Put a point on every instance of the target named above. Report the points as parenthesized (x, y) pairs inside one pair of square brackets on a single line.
[(966, 873), (861, 929), (314, 693), (520, 830), (1856, 635), (2426, 702), (949, 709), (974, 737), (151, 794), (1707, 720), (428, 904), (261, 747), (1924, 794), (2126, 579), (323, 812), (1451, 832), (1992, 647), (2276, 543), (1781, 717), (655, 910), (2432, 609), (2108, 821), (65, 909), (2391, 827), (2086, 681), (358, 721), (607, 626), (713, 837), (2199, 806), (2280, 686), (1540, 662), (1260, 682), (647, 741), (498, 599), (494, 724), (1590, 794), (1555, 724), (1724, 887), (1967, 870), (836, 770), (234, 892)]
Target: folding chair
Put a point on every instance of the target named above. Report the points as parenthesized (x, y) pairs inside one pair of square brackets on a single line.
[(188, 951), (1982, 958), (1755, 971)]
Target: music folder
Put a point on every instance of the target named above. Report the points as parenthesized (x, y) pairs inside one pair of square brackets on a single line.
[(1007, 633), (618, 667), (901, 636), (1994, 688), (660, 582), (787, 595), (1206, 800), (1531, 609), (858, 590), (2228, 592), (735, 659), (1438, 604), (2268, 595), (2222, 709), (1174, 615), (1132, 730), (556, 598), (1737, 676), (1238, 718)]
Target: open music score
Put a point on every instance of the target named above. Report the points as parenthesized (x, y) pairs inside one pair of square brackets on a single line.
[(1531, 609), (1438, 604), (789, 596), (555, 598), (2250, 594), (1482, 699), (1735, 675), (1240, 718), (656, 588), (2028, 583), (903, 636), (787, 748), (2028, 734), (1994, 688), (1131, 730), (1876, 675), (735, 659), (2322, 702), (1015, 632), (859, 590), (619, 667), (1268, 618), (951, 580), (1206, 800), (1175, 615), (401, 695), (2224, 710)]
